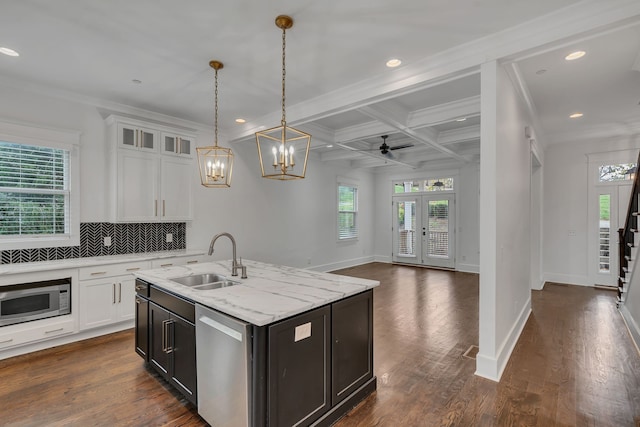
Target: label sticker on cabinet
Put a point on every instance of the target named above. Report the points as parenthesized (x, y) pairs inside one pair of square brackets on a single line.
[(303, 331)]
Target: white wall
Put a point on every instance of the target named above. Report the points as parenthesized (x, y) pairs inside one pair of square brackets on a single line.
[(27, 107), (466, 187), (292, 223), (566, 203), (505, 301)]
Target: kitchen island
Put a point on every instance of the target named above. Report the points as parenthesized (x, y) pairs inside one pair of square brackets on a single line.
[(283, 347)]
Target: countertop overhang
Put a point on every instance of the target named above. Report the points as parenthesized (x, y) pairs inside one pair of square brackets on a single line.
[(270, 293)]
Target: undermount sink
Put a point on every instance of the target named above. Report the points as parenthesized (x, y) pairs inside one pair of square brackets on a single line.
[(205, 281)]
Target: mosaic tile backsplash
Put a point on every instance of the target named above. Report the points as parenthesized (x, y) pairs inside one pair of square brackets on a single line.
[(126, 238)]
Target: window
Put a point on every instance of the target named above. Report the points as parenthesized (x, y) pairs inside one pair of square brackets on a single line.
[(38, 197), (347, 211), (423, 185), (34, 190), (619, 172)]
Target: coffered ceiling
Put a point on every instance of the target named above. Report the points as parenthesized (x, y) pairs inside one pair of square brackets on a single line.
[(338, 87)]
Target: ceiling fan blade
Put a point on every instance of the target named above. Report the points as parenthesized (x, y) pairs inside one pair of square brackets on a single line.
[(400, 147)]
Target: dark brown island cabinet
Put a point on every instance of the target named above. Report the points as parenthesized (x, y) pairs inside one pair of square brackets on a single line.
[(293, 380)]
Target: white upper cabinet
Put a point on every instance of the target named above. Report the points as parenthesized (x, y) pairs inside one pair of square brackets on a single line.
[(177, 145), (153, 171), (136, 137), (176, 178)]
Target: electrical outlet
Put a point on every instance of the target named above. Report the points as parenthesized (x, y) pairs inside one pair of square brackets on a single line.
[(169, 237), (107, 241), (308, 261)]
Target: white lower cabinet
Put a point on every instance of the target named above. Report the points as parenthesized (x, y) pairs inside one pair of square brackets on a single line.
[(106, 301), (107, 294)]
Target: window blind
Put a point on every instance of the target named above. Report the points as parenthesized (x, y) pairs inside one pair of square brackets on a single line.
[(34, 190), (347, 212)]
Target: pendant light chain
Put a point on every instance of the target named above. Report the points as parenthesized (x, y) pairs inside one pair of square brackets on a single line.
[(284, 45), (216, 109)]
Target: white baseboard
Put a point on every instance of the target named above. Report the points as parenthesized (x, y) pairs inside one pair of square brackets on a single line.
[(632, 326), (383, 258), (569, 279), (538, 286), (468, 268), (342, 264), (490, 367)]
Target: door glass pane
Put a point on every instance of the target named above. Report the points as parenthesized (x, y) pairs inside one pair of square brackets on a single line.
[(438, 244), (406, 228), (604, 232)]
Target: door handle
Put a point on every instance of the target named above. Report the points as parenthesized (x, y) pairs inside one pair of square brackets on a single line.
[(169, 336), (164, 335), (113, 285), (119, 292)]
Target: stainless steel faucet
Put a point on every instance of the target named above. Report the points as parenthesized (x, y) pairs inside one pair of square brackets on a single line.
[(235, 265)]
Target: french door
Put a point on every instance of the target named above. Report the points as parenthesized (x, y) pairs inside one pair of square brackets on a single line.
[(423, 231)]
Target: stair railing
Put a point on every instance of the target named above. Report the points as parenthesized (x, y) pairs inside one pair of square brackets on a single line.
[(626, 238)]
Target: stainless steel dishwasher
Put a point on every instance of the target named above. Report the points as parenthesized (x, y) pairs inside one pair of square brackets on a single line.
[(223, 351)]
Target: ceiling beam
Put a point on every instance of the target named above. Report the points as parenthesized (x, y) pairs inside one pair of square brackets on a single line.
[(422, 137), (444, 113), (454, 136)]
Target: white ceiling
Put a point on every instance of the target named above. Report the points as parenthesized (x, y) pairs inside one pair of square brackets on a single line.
[(338, 87)]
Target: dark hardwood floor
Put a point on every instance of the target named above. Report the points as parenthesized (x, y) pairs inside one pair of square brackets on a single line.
[(574, 365)]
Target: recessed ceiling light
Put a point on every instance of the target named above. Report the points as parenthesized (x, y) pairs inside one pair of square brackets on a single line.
[(8, 52), (329, 145), (575, 55), (136, 81), (241, 121), (392, 63), (461, 119), (576, 115)]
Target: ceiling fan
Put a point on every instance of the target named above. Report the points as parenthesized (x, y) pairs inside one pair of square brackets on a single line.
[(385, 148)]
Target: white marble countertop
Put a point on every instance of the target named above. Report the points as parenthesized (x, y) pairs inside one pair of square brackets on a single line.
[(30, 267), (270, 293)]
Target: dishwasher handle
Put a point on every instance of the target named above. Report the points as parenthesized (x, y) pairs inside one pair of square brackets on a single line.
[(222, 328)]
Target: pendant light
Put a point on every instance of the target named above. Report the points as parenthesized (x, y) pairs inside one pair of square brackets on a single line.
[(283, 150), (215, 162)]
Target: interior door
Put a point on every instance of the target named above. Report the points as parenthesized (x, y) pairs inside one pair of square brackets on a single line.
[(438, 225), (406, 223)]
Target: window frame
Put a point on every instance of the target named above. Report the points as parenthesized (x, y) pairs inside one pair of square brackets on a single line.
[(353, 185), (68, 140)]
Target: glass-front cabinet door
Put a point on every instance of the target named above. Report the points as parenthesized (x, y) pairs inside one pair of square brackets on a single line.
[(178, 145), (137, 138)]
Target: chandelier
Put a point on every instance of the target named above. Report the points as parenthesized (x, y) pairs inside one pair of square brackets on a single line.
[(283, 150), (215, 163)]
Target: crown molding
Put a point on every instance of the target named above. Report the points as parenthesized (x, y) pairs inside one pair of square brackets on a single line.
[(105, 108)]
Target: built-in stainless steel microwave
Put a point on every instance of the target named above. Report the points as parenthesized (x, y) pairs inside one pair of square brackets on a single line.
[(32, 301)]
